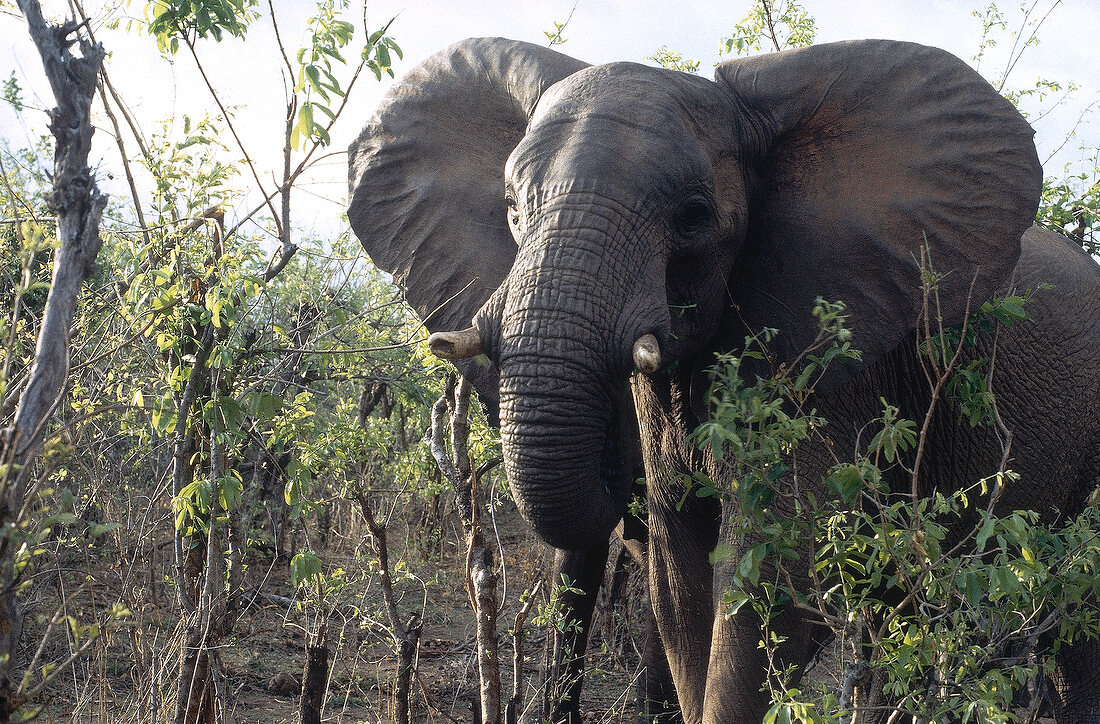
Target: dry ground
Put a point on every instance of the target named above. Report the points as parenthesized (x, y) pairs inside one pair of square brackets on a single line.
[(130, 676)]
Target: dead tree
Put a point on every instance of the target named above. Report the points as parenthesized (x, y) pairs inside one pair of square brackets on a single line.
[(79, 206), (481, 579)]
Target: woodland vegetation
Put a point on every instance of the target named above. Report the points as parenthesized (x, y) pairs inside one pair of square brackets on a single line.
[(234, 485)]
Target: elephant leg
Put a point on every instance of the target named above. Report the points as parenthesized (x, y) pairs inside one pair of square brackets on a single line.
[(680, 588), (657, 702), (737, 669), (656, 694), (585, 571), (739, 666), (1076, 694)]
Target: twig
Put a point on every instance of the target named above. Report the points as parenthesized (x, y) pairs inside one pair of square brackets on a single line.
[(771, 25), (515, 704), (229, 124)]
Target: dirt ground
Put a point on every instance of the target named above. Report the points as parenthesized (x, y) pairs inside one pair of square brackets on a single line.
[(446, 685), (131, 677)]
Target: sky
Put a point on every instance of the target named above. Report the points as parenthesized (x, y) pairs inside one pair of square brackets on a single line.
[(247, 74)]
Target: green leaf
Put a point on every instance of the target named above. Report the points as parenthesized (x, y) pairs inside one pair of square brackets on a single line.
[(847, 482), (735, 600), (314, 77), (304, 567), (97, 530), (986, 530)]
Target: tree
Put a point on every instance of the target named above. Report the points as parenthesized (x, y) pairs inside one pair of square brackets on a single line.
[(78, 205)]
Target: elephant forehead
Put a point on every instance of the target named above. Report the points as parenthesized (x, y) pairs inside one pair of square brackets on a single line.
[(626, 125), (601, 150), (653, 97)]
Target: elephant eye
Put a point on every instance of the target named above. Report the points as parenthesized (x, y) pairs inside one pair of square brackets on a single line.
[(513, 212), (691, 217)]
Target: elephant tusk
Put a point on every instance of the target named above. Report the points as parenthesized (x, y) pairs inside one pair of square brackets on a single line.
[(455, 345), (647, 354)]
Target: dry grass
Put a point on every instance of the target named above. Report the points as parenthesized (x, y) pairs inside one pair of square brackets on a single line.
[(131, 674)]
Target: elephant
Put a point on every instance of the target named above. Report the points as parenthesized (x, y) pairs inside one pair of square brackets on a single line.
[(655, 696), (583, 566), (586, 239)]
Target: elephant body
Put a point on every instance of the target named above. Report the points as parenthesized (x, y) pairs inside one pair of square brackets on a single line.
[(609, 229), (655, 695), (1047, 399)]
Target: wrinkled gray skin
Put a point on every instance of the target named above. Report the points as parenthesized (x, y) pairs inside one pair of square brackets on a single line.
[(578, 208)]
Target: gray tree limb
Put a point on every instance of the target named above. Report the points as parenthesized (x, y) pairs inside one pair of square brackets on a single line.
[(79, 206)]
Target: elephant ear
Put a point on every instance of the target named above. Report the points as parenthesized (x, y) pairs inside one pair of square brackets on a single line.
[(864, 152), (426, 175)]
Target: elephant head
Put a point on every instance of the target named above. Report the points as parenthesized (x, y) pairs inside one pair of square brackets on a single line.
[(587, 221)]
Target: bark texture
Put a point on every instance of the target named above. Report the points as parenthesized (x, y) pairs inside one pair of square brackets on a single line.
[(79, 206)]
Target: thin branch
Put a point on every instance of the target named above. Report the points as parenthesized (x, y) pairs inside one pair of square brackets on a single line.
[(78, 9), (279, 39), (1072, 131), (1014, 56), (232, 129), (771, 25)]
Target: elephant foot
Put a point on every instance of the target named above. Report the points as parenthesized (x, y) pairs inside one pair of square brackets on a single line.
[(655, 705), (665, 716), (566, 717)]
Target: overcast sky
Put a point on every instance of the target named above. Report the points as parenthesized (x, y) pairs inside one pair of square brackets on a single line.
[(248, 76)]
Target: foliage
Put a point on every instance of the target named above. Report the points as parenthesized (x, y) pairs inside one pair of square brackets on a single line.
[(170, 20), (329, 33), (555, 37), (196, 365), (1071, 204), (947, 622), (777, 23), (674, 60), (754, 426), (12, 93), (377, 51), (1070, 198), (189, 168), (554, 614)]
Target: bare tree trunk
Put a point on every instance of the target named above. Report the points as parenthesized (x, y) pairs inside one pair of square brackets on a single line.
[(406, 633), (207, 625), (481, 577), (209, 564), (195, 695), (482, 580), (315, 678), (79, 207), (406, 667)]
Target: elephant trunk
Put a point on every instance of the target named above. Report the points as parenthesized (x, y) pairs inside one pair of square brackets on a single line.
[(565, 330), (560, 434), (565, 409)]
